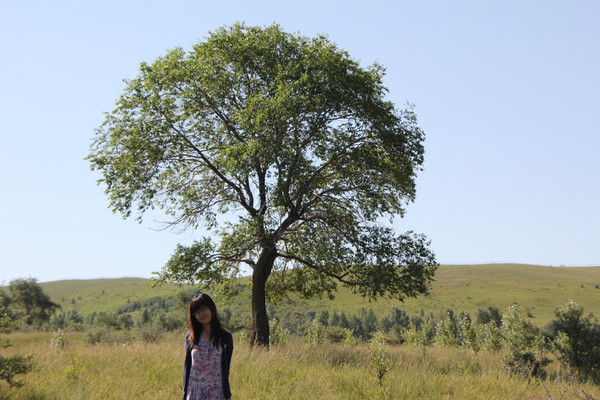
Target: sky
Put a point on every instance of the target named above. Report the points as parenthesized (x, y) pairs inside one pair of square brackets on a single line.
[(507, 92)]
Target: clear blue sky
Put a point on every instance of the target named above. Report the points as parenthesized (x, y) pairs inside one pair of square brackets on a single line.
[(508, 93)]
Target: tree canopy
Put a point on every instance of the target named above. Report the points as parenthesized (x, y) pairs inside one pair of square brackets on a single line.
[(27, 302), (291, 140)]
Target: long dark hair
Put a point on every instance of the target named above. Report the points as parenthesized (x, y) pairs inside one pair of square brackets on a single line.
[(198, 301)]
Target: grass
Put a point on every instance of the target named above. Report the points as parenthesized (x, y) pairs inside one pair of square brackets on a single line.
[(332, 371), (87, 296), (538, 289)]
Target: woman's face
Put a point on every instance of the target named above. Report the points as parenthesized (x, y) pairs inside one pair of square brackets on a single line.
[(203, 315)]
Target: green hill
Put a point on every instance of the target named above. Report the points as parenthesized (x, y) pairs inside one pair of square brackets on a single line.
[(538, 289)]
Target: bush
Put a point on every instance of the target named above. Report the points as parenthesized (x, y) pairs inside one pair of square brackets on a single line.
[(379, 363), (15, 365), (335, 334), (576, 341), (278, 335), (524, 347), (315, 333), (349, 338), (106, 337), (151, 333)]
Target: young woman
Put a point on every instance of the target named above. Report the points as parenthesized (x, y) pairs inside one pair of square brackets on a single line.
[(208, 350)]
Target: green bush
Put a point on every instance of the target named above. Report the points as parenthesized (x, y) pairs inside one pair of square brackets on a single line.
[(523, 346), (151, 333), (576, 341), (15, 365), (278, 335), (335, 334), (379, 362)]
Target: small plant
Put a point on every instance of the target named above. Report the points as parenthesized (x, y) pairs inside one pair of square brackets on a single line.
[(379, 362), (14, 365), (278, 335), (74, 367), (468, 335), (315, 333), (349, 338), (420, 337), (58, 339)]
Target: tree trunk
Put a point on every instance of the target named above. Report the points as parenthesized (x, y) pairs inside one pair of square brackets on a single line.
[(260, 319)]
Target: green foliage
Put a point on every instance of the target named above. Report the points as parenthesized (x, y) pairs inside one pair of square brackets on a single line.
[(492, 314), (379, 362), (315, 333), (58, 339), (576, 341), (446, 333), (335, 334), (469, 336), (490, 336), (279, 335), (29, 303), (524, 347), (151, 333), (420, 334), (69, 320), (349, 338), (104, 336), (10, 367), (535, 289), (294, 141)]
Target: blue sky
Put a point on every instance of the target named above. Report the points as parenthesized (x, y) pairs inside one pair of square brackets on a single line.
[(508, 93)]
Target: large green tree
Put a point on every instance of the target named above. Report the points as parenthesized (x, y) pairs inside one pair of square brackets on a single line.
[(28, 301), (291, 139)]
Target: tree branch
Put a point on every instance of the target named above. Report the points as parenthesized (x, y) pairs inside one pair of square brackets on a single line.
[(316, 268)]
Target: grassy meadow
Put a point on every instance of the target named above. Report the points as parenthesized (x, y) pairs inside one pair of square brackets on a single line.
[(538, 289), (134, 369), (138, 370)]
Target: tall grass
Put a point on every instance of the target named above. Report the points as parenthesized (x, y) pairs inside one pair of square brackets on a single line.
[(139, 370)]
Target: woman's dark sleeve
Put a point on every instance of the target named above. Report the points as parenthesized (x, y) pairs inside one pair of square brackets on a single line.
[(187, 365)]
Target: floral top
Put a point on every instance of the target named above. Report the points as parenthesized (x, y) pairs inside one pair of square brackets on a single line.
[(224, 342), (205, 375)]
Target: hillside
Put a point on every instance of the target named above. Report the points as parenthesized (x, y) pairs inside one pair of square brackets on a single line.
[(538, 289)]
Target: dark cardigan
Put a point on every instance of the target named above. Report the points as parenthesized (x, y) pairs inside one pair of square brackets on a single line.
[(225, 340)]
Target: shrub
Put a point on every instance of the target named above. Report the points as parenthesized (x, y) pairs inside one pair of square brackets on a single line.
[(151, 333), (379, 362), (576, 341), (15, 365), (58, 339), (278, 334), (349, 338), (105, 336), (315, 333), (335, 334), (524, 347)]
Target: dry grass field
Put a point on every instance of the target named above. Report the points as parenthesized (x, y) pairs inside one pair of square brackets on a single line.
[(139, 370)]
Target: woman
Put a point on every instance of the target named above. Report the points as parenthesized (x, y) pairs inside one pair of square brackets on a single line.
[(208, 350)]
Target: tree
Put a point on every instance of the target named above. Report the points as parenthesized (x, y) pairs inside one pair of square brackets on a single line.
[(576, 341), (292, 141), (15, 364), (29, 301)]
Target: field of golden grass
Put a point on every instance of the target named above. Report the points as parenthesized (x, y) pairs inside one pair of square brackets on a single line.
[(138, 370)]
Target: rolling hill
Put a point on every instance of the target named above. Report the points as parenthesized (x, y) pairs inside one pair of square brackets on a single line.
[(538, 289)]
